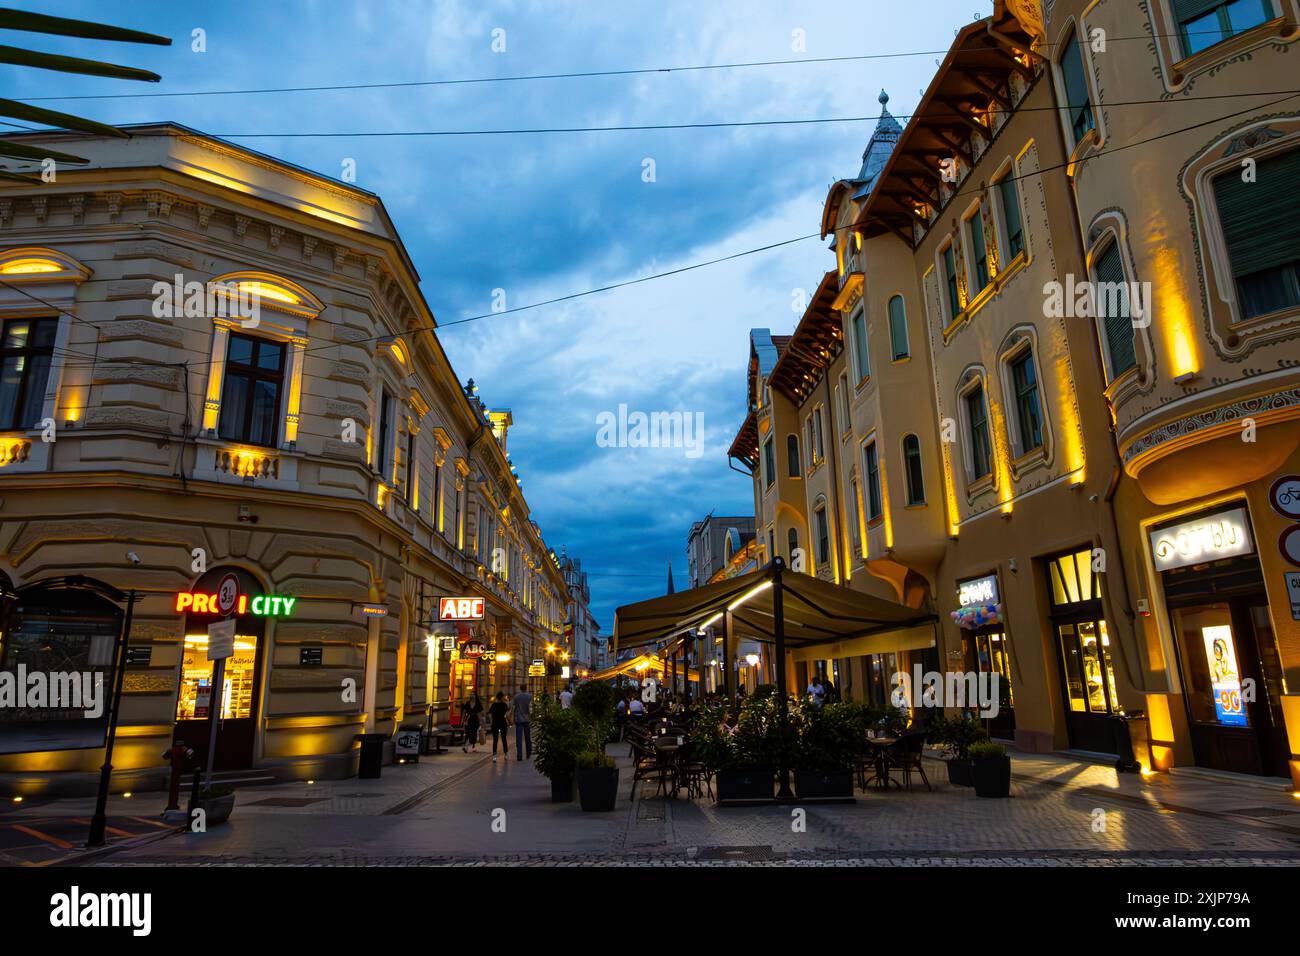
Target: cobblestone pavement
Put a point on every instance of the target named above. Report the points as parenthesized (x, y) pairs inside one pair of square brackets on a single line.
[(1061, 812)]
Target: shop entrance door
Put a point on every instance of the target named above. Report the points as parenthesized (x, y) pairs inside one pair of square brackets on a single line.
[(464, 681), (1228, 657), (237, 698), (992, 655), (1088, 672)]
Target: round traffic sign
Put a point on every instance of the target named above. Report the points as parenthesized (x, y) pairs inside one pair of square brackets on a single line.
[(227, 593), (1284, 496), (1288, 542)]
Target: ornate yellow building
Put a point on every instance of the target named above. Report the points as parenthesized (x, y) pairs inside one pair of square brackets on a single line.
[(319, 450)]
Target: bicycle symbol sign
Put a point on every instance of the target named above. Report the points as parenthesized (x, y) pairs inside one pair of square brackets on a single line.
[(1284, 496)]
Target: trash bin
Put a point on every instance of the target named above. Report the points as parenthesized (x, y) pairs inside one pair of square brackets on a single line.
[(1132, 741), (372, 755)]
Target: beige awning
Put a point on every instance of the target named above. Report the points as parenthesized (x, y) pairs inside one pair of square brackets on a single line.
[(636, 666), (817, 613)]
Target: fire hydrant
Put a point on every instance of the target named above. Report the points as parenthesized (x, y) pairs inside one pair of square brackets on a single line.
[(180, 756)]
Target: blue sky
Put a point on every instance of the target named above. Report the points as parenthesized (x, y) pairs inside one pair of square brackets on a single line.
[(544, 215)]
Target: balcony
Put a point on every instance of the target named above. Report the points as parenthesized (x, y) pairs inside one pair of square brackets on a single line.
[(248, 465)]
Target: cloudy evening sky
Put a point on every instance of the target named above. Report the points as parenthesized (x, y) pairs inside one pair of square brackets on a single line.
[(547, 214)]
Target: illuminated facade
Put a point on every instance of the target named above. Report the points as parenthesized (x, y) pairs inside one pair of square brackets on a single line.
[(320, 452), (1068, 422)]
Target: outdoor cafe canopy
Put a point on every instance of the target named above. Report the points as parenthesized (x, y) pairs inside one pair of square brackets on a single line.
[(637, 666), (819, 619)]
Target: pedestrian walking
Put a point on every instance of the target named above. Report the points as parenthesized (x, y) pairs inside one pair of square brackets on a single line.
[(566, 698), (469, 712), (522, 706), (497, 712)]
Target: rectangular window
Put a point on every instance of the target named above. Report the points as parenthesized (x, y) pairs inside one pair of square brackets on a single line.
[(817, 433), (977, 418), (874, 504), (1117, 325), (1203, 23), (898, 328), (28, 346), (1013, 233), (846, 403), (1028, 410), (437, 496), (1258, 224), (912, 470), (950, 277), (860, 354), (250, 394), (412, 475), (978, 250), (769, 462), (1077, 103), (857, 516), (823, 538), (385, 429)]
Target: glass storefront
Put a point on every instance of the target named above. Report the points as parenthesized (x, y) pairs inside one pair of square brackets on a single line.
[(1224, 641), (1083, 646)]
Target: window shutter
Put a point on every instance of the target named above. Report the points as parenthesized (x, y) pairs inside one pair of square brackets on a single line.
[(1119, 327), (1259, 219), (1185, 10)]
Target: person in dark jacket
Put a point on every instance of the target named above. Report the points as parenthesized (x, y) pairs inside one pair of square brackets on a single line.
[(497, 712), (470, 712)]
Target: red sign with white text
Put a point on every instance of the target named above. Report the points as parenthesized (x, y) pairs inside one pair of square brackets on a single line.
[(461, 609)]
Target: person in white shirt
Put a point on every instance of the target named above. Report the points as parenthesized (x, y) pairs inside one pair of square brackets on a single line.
[(636, 708), (816, 692), (566, 698)]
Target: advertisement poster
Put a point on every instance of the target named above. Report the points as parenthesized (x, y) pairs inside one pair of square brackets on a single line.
[(1225, 679)]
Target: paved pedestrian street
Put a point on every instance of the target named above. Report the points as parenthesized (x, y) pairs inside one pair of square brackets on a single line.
[(465, 809)]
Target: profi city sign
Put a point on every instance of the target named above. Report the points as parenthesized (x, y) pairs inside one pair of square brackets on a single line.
[(260, 605), (461, 608)]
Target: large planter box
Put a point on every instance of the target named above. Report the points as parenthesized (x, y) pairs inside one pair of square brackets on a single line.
[(562, 788), (598, 788), (826, 785), (992, 776), (753, 785), (959, 772)]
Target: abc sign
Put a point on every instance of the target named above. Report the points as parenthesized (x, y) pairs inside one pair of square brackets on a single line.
[(460, 609)]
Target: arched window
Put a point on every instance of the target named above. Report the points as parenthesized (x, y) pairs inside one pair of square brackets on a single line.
[(898, 328), (1113, 311), (792, 455), (912, 470)]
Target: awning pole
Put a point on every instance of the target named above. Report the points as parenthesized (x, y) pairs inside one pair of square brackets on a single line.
[(728, 668), (778, 621)]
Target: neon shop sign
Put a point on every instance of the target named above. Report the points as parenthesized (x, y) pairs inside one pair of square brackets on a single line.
[(259, 605)]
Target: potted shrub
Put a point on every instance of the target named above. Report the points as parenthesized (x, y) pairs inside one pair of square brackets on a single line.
[(560, 736), (955, 737), (743, 758), (217, 803), (597, 781), (990, 769), (829, 737)]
